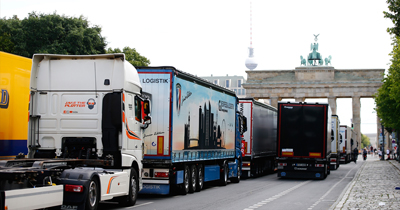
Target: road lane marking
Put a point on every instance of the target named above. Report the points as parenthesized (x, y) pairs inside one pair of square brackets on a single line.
[(143, 204), (259, 204), (320, 199)]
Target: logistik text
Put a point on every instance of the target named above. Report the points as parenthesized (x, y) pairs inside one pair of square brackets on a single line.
[(155, 80)]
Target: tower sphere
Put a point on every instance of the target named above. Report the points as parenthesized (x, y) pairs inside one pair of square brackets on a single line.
[(251, 63)]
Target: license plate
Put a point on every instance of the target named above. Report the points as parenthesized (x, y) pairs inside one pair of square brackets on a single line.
[(301, 164)]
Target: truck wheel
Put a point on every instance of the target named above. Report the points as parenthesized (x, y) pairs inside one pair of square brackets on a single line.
[(93, 195), (185, 184), (130, 199), (200, 178), (224, 175), (237, 178), (325, 172), (193, 179)]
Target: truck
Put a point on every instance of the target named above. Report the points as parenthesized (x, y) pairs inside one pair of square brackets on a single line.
[(15, 72), (335, 141), (304, 136), (345, 146), (259, 142), (87, 116), (195, 135)]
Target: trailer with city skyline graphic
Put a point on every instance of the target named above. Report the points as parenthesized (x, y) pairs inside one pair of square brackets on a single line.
[(195, 132)]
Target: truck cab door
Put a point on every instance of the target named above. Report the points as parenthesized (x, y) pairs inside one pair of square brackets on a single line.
[(132, 122)]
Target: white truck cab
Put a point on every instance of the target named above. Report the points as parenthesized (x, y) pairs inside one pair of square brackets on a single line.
[(90, 107)]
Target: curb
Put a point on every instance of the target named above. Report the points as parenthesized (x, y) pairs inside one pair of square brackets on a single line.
[(345, 194)]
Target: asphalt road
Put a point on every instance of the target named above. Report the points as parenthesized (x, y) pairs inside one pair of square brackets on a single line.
[(266, 192)]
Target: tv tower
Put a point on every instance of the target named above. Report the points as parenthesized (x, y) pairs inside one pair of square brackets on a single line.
[(251, 62)]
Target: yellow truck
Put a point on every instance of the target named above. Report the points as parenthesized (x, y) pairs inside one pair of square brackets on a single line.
[(15, 72)]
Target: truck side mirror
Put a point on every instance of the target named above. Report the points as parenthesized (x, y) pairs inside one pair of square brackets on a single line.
[(244, 124), (146, 106), (146, 112), (142, 111)]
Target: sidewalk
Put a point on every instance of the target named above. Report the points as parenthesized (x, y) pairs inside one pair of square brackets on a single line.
[(373, 186)]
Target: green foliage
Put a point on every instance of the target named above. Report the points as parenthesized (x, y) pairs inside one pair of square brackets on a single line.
[(365, 141), (388, 97), (132, 56), (52, 33), (394, 8)]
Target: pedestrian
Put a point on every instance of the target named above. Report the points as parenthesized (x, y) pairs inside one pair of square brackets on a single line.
[(388, 154), (380, 153), (355, 155), (365, 152)]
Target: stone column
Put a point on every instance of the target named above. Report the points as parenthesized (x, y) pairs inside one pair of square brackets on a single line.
[(274, 101), (332, 104), (357, 120), (299, 99)]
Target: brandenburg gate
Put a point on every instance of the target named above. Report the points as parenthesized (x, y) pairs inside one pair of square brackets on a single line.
[(316, 81)]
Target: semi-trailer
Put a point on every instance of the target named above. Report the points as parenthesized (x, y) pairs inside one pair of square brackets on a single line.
[(335, 141), (195, 134), (345, 146), (304, 136), (87, 115), (259, 142), (15, 72)]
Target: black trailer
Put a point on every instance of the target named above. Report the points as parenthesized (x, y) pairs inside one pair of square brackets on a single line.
[(259, 142), (304, 140)]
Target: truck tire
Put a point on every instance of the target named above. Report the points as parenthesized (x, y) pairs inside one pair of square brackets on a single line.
[(325, 172), (93, 195), (237, 178), (200, 178), (186, 178), (131, 198), (193, 179), (223, 180)]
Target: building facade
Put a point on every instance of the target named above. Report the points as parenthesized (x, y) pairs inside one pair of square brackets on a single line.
[(234, 83)]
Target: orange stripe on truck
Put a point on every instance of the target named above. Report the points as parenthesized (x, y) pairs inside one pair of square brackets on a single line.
[(109, 184)]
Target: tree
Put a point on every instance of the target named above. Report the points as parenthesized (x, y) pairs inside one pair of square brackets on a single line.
[(387, 99), (394, 15), (365, 141), (52, 33), (132, 56)]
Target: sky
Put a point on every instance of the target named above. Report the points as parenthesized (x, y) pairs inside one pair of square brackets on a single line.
[(212, 36)]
